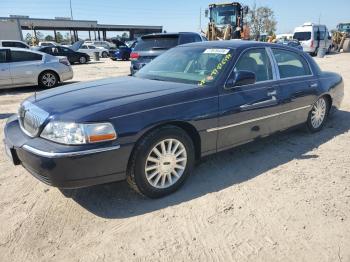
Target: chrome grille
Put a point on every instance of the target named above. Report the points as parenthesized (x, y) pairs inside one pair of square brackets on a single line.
[(31, 118)]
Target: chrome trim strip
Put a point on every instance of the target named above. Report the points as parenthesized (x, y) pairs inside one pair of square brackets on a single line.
[(67, 154), (256, 119)]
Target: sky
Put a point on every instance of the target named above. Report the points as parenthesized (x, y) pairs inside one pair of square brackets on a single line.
[(179, 15)]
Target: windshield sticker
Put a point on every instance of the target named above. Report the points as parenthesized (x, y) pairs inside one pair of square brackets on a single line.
[(217, 51), (215, 71)]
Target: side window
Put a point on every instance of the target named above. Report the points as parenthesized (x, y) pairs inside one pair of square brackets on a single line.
[(84, 47), (20, 45), (290, 64), (20, 56), (3, 56), (8, 44), (256, 61)]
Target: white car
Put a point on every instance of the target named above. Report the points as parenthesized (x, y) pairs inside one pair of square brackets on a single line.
[(312, 37), (101, 44), (91, 49), (48, 43), (23, 67), (13, 43)]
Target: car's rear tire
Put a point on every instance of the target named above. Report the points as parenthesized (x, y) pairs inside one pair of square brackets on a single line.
[(104, 54), (125, 57), (48, 79), (318, 115), (161, 162), (82, 60)]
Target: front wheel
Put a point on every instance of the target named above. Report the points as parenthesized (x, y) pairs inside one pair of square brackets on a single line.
[(104, 54), (82, 60), (161, 162), (318, 115)]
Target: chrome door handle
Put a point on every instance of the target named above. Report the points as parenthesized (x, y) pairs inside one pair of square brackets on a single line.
[(271, 101), (272, 93), (314, 85)]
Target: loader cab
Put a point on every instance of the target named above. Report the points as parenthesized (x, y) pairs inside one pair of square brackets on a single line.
[(225, 14)]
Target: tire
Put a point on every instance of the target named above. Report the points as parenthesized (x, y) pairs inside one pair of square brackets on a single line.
[(48, 79), (318, 115), (82, 60), (104, 54), (125, 57), (149, 183)]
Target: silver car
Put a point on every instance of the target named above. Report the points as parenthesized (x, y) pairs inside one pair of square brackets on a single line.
[(21, 67)]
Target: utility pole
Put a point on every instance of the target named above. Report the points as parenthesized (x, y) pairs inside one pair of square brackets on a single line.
[(200, 20), (71, 10)]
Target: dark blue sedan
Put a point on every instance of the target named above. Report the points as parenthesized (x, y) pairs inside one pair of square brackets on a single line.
[(192, 101)]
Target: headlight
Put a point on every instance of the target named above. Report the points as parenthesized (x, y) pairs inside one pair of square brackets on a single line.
[(77, 134)]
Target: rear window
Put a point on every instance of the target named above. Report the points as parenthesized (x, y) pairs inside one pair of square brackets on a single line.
[(302, 36), (148, 43)]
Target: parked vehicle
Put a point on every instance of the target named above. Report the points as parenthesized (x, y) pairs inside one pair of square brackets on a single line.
[(192, 101), (91, 49), (122, 52), (73, 56), (103, 44), (312, 37), (22, 67), (48, 43), (149, 47), (13, 43), (292, 43)]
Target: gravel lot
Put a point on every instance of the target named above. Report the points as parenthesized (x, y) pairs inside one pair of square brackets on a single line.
[(284, 198)]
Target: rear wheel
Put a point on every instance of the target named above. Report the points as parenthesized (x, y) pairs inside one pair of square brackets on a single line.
[(125, 57), (161, 162), (318, 115), (104, 54), (48, 79)]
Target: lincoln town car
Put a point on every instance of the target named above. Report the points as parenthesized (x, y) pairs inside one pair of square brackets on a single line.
[(151, 128)]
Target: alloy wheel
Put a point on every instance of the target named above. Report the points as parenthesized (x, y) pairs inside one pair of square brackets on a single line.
[(318, 113), (49, 79), (166, 163)]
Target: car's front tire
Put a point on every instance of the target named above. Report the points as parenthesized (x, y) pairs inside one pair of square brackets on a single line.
[(82, 60), (161, 162), (318, 115), (104, 54), (48, 79)]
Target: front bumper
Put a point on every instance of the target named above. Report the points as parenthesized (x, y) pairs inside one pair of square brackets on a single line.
[(66, 166)]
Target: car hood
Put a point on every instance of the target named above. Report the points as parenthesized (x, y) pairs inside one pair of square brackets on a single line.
[(85, 100)]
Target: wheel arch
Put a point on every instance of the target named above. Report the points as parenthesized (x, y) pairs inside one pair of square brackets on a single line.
[(48, 70), (188, 128)]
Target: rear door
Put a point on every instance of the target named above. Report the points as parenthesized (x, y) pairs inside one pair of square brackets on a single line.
[(24, 67), (249, 111), (5, 76), (298, 86)]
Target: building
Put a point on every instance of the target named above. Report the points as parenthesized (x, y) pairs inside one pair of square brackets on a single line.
[(11, 27)]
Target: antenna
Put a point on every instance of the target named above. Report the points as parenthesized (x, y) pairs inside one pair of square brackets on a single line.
[(71, 10)]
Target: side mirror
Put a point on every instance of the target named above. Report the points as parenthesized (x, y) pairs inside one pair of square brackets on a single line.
[(241, 78)]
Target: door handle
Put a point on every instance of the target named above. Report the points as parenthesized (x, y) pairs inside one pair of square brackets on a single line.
[(313, 85), (272, 93), (271, 101)]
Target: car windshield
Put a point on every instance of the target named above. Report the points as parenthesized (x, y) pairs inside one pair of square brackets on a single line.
[(224, 15), (192, 65), (344, 28), (302, 36), (148, 43)]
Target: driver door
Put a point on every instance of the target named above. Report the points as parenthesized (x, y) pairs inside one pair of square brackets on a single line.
[(247, 112)]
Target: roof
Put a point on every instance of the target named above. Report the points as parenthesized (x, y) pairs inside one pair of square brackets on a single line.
[(23, 49), (230, 44)]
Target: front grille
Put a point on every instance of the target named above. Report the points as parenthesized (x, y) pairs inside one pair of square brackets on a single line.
[(31, 118)]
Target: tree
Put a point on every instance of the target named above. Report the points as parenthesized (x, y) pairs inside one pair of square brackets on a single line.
[(28, 39), (39, 36), (49, 38), (261, 20), (59, 37)]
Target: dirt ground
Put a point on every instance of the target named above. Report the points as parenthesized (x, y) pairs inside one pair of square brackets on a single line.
[(284, 198)]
